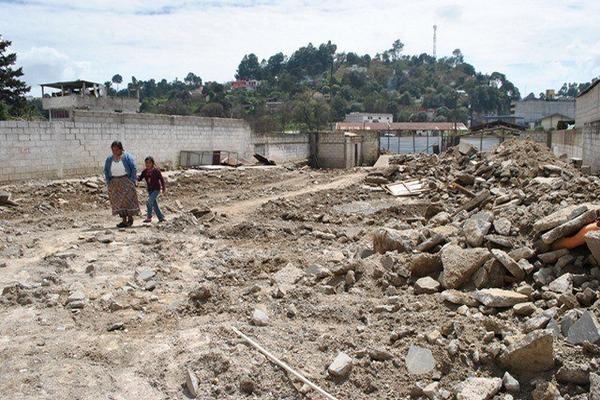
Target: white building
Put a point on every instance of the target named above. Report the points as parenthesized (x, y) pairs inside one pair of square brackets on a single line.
[(368, 117)]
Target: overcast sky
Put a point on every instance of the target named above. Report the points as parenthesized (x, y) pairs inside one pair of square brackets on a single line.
[(538, 44)]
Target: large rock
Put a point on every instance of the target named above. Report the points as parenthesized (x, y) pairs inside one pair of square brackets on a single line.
[(563, 284), (578, 374), (561, 216), (499, 297), (507, 261), (492, 274), (341, 366), (426, 285), (502, 226), (592, 239), (387, 239), (476, 227), (419, 360), (478, 388), (457, 297), (569, 228), (532, 353), (586, 329), (552, 256), (459, 264), (423, 264)]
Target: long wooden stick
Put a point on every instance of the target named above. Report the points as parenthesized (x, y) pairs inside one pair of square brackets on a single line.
[(282, 364)]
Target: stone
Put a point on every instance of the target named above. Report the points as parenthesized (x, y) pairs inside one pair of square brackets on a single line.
[(260, 318), (524, 309), (459, 264), (341, 366), (594, 386), (191, 383), (478, 388), (419, 360), (579, 374), (587, 297), (431, 391), (536, 322), (586, 329), (510, 383), (499, 297), (246, 384), (466, 149), (502, 226), (569, 228), (350, 278), (387, 239), (117, 326), (552, 256), (568, 320), (457, 297), (526, 266), (543, 276), (532, 353), (380, 355), (76, 296), (476, 227), (442, 218), (592, 239), (491, 274), (522, 253), (562, 284), (144, 275), (287, 277), (105, 238), (424, 264), (563, 262), (511, 265), (427, 285), (545, 391), (318, 271), (554, 327)]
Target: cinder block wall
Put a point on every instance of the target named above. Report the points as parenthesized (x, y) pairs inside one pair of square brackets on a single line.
[(70, 148), (281, 148), (569, 143), (331, 150)]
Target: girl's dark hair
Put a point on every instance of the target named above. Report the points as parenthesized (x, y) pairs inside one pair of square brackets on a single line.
[(149, 158), (117, 144)]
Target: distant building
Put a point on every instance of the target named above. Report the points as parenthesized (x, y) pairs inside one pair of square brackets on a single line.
[(509, 118), (83, 95), (552, 121), (356, 68), (242, 84), (369, 117), (531, 111)]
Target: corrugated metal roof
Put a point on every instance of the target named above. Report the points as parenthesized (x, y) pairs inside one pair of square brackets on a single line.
[(400, 126)]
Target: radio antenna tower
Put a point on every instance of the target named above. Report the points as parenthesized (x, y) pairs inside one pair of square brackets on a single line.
[(434, 39)]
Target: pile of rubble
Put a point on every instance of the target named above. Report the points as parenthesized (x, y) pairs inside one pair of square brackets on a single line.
[(497, 253)]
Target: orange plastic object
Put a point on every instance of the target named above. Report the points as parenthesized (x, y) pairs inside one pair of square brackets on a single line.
[(577, 240)]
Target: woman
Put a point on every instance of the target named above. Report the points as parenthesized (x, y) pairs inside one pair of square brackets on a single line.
[(121, 176)]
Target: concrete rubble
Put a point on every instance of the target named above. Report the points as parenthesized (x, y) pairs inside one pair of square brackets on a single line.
[(454, 293)]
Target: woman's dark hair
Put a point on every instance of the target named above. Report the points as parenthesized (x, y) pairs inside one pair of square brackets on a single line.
[(117, 144), (149, 158)]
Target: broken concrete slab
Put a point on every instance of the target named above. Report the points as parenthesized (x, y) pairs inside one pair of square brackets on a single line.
[(511, 265), (341, 366), (476, 227), (499, 297), (419, 360), (576, 373), (569, 228), (423, 264), (459, 264), (563, 284), (532, 353), (387, 239), (594, 386), (552, 256), (586, 329), (564, 214), (191, 383), (427, 285), (478, 388), (460, 298), (524, 309)]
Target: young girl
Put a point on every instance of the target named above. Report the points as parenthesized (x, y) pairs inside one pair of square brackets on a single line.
[(155, 183)]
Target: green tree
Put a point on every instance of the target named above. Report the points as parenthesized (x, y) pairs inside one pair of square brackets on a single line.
[(193, 80), (117, 80), (249, 68), (396, 50), (311, 112), (12, 88), (213, 110)]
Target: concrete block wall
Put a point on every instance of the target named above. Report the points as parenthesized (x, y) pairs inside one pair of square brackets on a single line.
[(72, 148), (591, 146), (331, 150), (568, 143), (281, 148)]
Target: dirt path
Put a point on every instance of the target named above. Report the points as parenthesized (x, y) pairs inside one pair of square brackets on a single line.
[(241, 208)]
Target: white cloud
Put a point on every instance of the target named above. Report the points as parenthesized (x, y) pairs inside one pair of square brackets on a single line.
[(537, 43)]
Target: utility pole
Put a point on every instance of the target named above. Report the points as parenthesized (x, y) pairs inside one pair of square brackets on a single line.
[(434, 40)]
